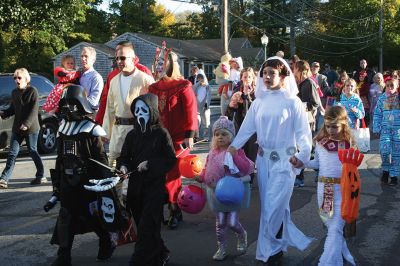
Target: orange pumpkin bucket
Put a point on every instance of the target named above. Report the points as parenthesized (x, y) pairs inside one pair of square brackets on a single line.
[(350, 183), (190, 166)]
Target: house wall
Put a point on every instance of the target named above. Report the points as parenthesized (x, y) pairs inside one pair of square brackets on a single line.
[(144, 50), (103, 63)]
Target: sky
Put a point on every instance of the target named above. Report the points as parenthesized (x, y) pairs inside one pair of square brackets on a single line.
[(174, 6), (177, 7)]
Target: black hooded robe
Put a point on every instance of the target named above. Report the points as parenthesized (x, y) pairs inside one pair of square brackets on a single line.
[(146, 190)]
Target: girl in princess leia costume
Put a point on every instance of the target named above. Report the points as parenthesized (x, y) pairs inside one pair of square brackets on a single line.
[(279, 118)]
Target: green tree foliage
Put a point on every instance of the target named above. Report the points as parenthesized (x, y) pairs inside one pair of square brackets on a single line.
[(96, 27), (204, 25), (336, 31), (135, 16), (33, 31), (344, 31)]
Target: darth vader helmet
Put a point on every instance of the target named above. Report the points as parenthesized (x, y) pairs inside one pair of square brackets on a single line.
[(73, 104)]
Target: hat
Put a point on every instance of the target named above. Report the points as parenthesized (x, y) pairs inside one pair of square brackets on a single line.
[(224, 123), (315, 64)]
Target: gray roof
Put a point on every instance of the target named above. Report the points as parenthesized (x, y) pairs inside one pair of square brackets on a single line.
[(98, 46), (103, 48), (203, 50), (207, 50)]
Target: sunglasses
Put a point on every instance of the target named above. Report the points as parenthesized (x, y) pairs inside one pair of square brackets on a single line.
[(390, 85), (19, 78), (122, 58)]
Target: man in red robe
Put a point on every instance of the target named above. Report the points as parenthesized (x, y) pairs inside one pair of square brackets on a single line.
[(111, 75), (178, 110)]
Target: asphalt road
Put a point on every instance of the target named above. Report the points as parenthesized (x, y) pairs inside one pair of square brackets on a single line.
[(25, 229)]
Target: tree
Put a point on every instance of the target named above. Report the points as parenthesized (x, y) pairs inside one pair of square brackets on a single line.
[(136, 16), (33, 31), (96, 27)]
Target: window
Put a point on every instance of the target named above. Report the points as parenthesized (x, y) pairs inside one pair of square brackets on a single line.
[(209, 70), (43, 85), (7, 84)]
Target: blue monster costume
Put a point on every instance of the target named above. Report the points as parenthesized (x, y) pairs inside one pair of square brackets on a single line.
[(387, 123)]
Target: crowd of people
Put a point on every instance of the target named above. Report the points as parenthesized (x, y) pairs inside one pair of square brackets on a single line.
[(274, 123)]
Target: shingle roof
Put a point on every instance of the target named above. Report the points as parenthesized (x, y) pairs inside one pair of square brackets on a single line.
[(203, 50), (104, 48)]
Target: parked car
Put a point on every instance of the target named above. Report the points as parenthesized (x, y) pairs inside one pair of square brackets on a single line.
[(49, 124), (214, 91)]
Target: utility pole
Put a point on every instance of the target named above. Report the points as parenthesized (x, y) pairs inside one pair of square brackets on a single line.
[(381, 39), (292, 28), (225, 25)]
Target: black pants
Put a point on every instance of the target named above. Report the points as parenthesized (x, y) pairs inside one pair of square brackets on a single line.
[(147, 210)]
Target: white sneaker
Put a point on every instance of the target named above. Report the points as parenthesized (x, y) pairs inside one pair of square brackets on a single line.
[(220, 254), (242, 243)]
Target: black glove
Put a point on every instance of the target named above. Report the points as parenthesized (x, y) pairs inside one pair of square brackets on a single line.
[(51, 203), (206, 106)]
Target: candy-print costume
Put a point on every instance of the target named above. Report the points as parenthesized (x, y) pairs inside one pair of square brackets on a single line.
[(350, 102), (64, 77), (387, 124), (329, 200)]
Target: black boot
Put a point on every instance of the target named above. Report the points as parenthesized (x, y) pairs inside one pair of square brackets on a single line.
[(63, 257), (393, 181), (385, 177), (106, 249), (164, 258), (175, 216), (275, 260)]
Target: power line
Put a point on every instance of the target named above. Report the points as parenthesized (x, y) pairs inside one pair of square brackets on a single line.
[(309, 29), (327, 53), (338, 17)]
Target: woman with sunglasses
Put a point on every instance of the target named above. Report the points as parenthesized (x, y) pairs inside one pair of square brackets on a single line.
[(24, 106)]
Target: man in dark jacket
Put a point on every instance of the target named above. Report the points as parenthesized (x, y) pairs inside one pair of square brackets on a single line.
[(148, 153), (24, 106), (362, 68)]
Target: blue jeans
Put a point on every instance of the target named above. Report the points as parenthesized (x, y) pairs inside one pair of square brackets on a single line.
[(31, 142)]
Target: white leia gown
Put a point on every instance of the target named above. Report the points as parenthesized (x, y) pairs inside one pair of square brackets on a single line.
[(280, 121)]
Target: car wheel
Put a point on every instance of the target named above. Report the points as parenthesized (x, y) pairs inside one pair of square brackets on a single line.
[(47, 140)]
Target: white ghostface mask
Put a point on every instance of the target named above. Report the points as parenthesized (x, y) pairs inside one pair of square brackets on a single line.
[(108, 209), (142, 113)]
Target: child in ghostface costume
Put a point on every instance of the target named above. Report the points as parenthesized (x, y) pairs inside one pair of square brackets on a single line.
[(148, 153), (78, 140)]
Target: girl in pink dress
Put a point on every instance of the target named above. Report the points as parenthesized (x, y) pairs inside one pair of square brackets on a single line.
[(65, 74), (214, 170)]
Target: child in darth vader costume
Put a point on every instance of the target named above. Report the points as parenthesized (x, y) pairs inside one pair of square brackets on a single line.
[(148, 153), (78, 141)]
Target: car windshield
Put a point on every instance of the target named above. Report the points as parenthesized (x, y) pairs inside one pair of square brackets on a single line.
[(43, 86), (7, 85)]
